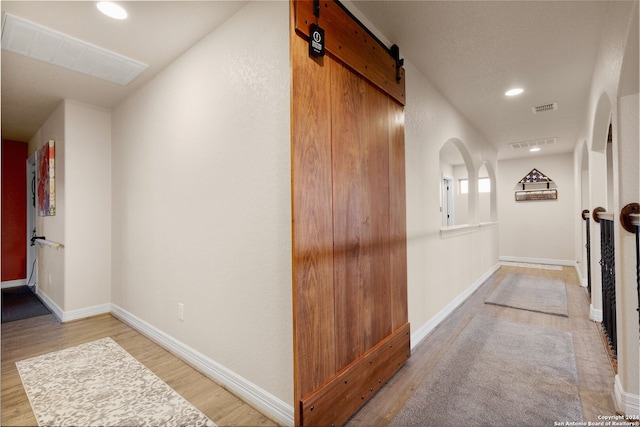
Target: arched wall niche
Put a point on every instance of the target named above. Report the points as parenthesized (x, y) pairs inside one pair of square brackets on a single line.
[(487, 200), (600, 156), (601, 122), (457, 192)]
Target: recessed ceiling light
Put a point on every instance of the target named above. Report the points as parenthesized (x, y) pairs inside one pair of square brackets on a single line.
[(112, 10), (534, 149), (514, 92)]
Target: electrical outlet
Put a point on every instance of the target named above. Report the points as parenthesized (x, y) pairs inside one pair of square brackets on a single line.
[(180, 311)]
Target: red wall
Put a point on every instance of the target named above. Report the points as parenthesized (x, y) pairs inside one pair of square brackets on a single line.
[(14, 210)]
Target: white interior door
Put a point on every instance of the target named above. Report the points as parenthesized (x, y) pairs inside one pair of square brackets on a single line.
[(447, 201)]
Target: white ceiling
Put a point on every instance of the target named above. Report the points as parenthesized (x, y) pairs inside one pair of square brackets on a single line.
[(156, 33), (472, 51)]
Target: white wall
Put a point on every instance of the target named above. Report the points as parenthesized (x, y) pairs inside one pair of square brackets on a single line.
[(87, 206), (51, 272), (75, 280), (442, 268), (202, 199), (537, 230)]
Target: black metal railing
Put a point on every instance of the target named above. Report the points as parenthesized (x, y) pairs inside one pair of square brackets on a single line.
[(630, 220), (636, 222), (608, 271), (587, 220)]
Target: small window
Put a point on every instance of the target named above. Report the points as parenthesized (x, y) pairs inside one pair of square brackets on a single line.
[(484, 185), (464, 186)]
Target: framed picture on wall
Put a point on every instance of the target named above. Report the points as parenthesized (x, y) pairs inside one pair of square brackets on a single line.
[(45, 159)]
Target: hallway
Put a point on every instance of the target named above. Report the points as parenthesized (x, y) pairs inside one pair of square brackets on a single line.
[(595, 373), (30, 337), (26, 338)]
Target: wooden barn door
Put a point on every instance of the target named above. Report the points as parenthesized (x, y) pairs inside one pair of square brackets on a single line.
[(349, 236)]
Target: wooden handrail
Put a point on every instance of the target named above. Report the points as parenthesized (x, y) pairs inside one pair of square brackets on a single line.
[(601, 213), (45, 242), (630, 218)]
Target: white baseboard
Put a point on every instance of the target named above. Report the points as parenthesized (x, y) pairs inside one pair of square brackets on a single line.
[(52, 306), (425, 329), (67, 316), (595, 314), (14, 283), (547, 261), (260, 398), (584, 282), (81, 313), (626, 403)]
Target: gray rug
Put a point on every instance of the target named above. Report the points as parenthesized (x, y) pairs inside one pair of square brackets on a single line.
[(532, 293), (21, 303), (499, 373), (100, 384)]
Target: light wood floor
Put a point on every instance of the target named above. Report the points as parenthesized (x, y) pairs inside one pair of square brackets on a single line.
[(31, 337), (595, 374), (43, 334)]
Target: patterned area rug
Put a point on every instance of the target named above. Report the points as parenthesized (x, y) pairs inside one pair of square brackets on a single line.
[(531, 293), (100, 384), (499, 373)]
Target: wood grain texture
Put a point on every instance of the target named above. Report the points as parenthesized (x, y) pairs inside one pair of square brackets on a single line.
[(377, 108), (350, 43), (346, 268), (349, 389), (313, 298), (398, 217), (351, 234), (35, 336)]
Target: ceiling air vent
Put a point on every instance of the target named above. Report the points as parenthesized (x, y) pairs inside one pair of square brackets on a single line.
[(545, 107), (35, 41), (533, 143)]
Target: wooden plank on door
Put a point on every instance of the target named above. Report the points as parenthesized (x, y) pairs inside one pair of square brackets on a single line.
[(398, 224), (351, 216), (312, 206), (349, 250), (377, 127), (351, 43), (349, 389)]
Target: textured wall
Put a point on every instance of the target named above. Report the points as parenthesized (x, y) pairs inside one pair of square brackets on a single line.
[(202, 199)]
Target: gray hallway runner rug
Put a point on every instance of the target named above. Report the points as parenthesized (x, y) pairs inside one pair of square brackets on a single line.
[(499, 373), (100, 384), (532, 293)]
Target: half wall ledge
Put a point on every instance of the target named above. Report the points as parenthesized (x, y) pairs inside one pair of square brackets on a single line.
[(459, 230)]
